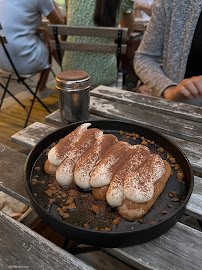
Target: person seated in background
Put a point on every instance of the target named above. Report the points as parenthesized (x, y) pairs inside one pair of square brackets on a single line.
[(168, 60), (28, 48), (143, 9), (102, 67)]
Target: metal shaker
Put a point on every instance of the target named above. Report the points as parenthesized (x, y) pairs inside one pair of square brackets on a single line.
[(73, 95)]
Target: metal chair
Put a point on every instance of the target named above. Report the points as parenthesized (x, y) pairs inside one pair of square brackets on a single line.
[(116, 33), (20, 78)]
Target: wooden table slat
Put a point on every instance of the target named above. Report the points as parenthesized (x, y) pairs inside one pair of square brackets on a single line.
[(11, 178), (193, 151), (194, 205), (167, 124), (55, 119), (178, 109), (29, 136), (178, 249), (22, 248)]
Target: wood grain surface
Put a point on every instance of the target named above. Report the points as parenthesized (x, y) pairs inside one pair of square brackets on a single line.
[(22, 248)]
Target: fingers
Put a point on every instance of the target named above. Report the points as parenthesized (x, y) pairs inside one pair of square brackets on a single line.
[(197, 81), (188, 89), (192, 87), (184, 94)]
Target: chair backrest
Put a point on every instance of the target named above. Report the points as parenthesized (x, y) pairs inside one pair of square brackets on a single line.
[(117, 34)]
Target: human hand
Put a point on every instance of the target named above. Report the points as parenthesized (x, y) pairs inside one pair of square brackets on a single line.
[(187, 89)]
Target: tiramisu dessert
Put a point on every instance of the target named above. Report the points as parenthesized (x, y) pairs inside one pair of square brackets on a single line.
[(127, 176)]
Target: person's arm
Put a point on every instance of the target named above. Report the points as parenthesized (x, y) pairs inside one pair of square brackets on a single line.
[(139, 6), (128, 21), (56, 16), (187, 89), (149, 54)]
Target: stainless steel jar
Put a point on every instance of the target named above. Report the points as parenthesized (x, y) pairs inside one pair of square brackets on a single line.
[(73, 95)]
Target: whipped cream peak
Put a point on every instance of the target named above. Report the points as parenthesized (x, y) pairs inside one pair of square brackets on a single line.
[(65, 172), (107, 167), (133, 159), (62, 149), (87, 163), (139, 186)]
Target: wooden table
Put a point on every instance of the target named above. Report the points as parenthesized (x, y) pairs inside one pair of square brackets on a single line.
[(180, 247), (20, 247), (141, 24)]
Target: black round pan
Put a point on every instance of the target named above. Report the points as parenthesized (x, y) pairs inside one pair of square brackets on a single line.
[(83, 225)]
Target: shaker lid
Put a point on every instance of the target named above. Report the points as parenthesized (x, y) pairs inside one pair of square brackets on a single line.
[(72, 79), (72, 75)]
